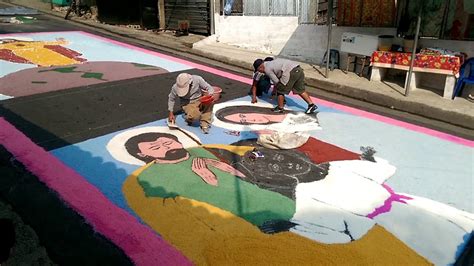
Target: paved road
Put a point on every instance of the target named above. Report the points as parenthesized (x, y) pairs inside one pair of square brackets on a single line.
[(99, 88)]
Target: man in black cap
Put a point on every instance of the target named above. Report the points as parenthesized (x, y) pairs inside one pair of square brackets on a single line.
[(286, 76), (261, 83)]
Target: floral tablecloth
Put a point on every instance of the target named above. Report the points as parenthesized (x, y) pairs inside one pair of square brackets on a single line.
[(441, 64)]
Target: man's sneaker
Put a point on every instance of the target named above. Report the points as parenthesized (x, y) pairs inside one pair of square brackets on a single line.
[(311, 108), (277, 109), (205, 130)]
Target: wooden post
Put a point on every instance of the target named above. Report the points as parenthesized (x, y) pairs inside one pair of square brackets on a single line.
[(212, 16), (329, 22), (161, 14), (413, 55), (313, 11), (363, 66)]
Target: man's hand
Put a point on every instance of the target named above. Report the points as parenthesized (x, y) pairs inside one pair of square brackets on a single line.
[(171, 118), (254, 91)]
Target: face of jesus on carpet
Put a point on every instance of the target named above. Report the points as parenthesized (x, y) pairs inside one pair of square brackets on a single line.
[(255, 118), (159, 147)]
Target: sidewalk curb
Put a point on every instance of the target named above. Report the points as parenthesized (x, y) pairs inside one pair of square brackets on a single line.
[(420, 109)]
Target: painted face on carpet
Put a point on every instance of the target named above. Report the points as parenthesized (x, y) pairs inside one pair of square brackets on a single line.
[(254, 118), (143, 145), (244, 116), (163, 148)]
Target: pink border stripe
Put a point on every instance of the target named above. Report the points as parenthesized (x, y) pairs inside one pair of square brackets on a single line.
[(221, 73), (138, 241)]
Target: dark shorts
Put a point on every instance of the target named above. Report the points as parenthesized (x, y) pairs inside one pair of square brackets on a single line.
[(295, 84)]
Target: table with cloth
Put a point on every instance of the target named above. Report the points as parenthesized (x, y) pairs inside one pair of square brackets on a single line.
[(424, 62)]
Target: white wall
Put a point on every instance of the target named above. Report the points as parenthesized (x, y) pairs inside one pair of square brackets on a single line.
[(309, 42), (263, 34), (281, 36)]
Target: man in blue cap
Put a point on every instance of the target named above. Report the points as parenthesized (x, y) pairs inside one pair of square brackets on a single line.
[(261, 83)]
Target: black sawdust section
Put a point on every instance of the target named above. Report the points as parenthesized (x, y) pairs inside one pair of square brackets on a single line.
[(63, 232), (60, 118)]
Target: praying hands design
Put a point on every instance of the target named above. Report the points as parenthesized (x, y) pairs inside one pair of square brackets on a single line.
[(200, 166)]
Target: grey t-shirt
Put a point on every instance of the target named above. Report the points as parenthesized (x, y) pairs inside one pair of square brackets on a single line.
[(279, 70), (197, 84)]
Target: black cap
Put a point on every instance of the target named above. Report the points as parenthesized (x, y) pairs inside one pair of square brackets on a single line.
[(257, 63)]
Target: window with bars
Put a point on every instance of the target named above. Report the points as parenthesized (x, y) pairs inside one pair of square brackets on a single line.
[(298, 8), (323, 11), (315, 11)]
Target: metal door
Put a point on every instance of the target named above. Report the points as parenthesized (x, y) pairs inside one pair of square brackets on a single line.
[(197, 12)]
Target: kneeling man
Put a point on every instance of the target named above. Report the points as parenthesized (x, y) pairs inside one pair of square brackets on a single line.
[(189, 89)]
